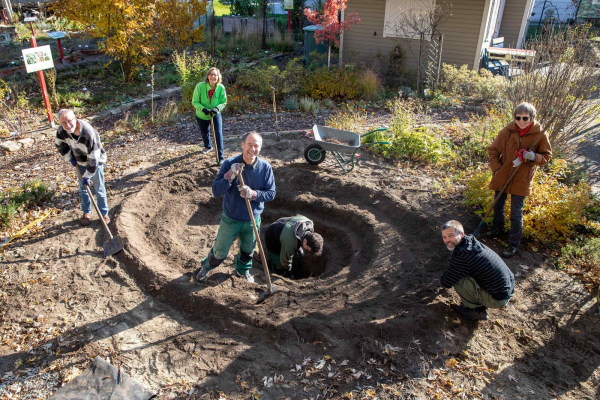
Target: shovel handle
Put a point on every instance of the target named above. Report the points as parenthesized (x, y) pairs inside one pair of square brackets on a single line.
[(94, 203), (274, 104), (214, 140), (256, 233)]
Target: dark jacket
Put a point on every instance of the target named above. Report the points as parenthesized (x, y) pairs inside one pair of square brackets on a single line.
[(285, 235), (470, 257), (502, 154)]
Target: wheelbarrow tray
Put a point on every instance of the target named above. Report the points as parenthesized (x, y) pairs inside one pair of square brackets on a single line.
[(321, 133)]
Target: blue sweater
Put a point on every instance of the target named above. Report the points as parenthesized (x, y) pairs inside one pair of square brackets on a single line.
[(258, 176)]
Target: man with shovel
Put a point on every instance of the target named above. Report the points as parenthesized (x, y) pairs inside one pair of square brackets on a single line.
[(79, 143), (289, 238), (259, 187), (479, 276)]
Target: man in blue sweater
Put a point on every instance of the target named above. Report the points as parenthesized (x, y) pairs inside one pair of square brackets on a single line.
[(479, 276), (235, 220)]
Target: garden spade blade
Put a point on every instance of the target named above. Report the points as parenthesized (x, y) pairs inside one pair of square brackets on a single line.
[(112, 246), (267, 293)]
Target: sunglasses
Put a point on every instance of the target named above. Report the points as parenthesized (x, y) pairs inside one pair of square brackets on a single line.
[(524, 118)]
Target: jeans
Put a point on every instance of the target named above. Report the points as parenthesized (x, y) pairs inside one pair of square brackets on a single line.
[(229, 229), (473, 296), (516, 217), (204, 126), (98, 181)]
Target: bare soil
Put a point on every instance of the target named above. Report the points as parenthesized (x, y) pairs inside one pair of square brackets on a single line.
[(375, 323)]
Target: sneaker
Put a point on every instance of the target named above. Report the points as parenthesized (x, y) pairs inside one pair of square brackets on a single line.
[(86, 219), (206, 151), (106, 219), (492, 234), (202, 274), (246, 275), (473, 314), (509, 252)]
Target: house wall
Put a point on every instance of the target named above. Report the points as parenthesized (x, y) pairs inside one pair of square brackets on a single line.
[(511, 22), (366, 41)]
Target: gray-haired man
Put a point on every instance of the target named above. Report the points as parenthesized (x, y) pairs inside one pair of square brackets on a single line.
[(479, 276), (79, 143)]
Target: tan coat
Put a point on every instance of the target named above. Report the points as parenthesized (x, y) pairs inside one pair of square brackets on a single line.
[(502, 153)]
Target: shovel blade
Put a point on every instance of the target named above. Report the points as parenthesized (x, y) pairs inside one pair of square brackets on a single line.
[(267, 293), (112, 246)]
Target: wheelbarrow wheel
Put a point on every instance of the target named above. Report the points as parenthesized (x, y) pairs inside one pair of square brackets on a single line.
[(314, 154)]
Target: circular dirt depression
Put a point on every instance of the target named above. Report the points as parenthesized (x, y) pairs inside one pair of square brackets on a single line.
[(378, 250)]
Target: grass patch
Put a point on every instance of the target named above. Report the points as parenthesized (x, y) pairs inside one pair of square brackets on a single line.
[(30, 194)]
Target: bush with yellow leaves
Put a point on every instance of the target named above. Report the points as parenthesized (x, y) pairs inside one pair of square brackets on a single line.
[(554, 211)]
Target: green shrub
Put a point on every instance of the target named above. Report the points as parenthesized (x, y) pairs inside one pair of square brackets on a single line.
[(554, 211), (73, 99), (30, 194), (464, 82), (335, 83), (291, 103), (309, 105), (260, 79), (408, 142), (191, 69), (582, 259), (238, 100)]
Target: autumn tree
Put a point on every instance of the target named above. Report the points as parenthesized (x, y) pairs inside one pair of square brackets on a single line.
[(135, 32), (330, 26)]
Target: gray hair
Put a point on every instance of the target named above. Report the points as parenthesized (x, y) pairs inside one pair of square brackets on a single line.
[(525, 108), (453, 224), (245, 136), (64, 112)]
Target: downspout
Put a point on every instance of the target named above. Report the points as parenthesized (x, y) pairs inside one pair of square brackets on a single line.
[(341, 39), (484, 19)]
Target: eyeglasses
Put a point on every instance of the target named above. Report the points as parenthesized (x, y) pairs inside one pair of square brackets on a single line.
[(524, 118)]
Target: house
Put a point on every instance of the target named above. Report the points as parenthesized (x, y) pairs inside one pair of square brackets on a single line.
[(468, 31), (589, 10)]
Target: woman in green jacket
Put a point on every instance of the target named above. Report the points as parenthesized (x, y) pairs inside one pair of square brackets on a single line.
[(209, 99)]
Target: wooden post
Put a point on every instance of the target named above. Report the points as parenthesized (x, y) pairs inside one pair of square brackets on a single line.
[(7, 12)]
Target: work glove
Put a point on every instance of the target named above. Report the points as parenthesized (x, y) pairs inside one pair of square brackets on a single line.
[(516, 162), (73, 162), (206, 111), (215, 111), (529, 155), (86, 181), (233, 171), (248, 193)]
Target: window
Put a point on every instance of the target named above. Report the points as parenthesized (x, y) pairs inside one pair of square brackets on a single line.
[(395, 10)]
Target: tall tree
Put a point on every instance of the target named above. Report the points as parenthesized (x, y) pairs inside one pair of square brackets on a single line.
[(330, 26), (135, 32)]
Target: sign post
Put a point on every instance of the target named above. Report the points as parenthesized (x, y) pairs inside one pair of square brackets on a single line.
[(289, 5), (38, 59), (58, 35)]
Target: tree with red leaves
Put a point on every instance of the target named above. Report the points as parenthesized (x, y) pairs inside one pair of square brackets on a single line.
[(330, 26)]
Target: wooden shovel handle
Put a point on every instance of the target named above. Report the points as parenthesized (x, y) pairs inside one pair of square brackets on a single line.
[(257, 234)]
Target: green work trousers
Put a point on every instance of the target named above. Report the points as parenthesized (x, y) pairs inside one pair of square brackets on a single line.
[(229, 229), (473, 296)]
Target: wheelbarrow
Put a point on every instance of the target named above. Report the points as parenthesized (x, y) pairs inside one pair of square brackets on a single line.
[(340, 142)]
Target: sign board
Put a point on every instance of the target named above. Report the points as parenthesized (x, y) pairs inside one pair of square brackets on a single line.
[(288, 4), (30, 19), (56, 35), (38, 58)]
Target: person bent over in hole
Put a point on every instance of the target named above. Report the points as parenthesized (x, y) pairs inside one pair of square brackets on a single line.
[(235, 220), (478, 274), (287, 241)]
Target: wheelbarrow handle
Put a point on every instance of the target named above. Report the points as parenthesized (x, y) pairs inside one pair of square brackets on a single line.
[(368, 144), (385, 128)]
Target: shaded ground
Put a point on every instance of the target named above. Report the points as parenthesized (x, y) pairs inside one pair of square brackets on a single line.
[(375, 323)]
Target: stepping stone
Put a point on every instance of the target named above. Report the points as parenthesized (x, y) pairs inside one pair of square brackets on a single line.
[(26, 142), (10, 146)]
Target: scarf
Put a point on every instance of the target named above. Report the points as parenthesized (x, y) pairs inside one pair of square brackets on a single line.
[(523, 131)]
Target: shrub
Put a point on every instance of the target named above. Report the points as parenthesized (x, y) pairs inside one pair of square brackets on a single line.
[(553, 211), (30, 194), (281, 43), (260, 79), (347, 119), (461, 82), (369, 84), (336, 83), (408, 142), (291, 103), (238, 100), (309, 105), (191, 70), (582, 259), (167, 114)]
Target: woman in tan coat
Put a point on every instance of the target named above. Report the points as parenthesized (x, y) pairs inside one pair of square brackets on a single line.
[(511, 148)]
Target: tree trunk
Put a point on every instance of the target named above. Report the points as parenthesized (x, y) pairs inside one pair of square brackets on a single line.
[(328, 55)]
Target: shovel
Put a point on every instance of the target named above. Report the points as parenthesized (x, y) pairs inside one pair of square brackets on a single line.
[(275, 112), (537, 139), (270, 288), (214, 139), (114, 244)]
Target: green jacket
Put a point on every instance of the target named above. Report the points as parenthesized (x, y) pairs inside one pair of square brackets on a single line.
[(200, 99), (291, 238)]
